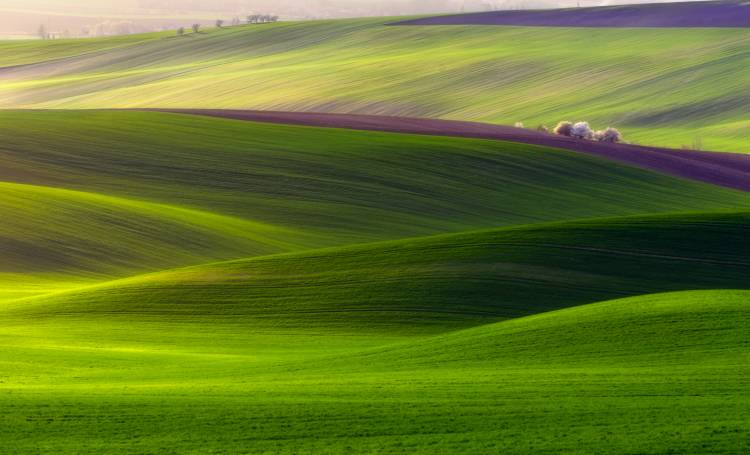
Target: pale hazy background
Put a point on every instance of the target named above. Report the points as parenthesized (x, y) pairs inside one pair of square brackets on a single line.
[(23, 18)]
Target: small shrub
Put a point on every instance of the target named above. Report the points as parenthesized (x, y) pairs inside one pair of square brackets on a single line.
[(609, 135), (564, 128), (196, 28), (542, 129), (181, 31), (582, 130)]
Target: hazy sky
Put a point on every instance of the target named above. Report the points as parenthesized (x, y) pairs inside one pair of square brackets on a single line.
[(25, 16)]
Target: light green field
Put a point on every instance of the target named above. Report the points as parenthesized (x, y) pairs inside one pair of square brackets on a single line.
[(670, 87), (24, 52), (652, 374)]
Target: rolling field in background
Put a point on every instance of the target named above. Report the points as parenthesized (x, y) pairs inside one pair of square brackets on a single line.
[(535, 75), (249, 282)]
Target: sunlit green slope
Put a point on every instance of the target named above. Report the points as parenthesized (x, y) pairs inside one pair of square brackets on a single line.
[(653, 330), (622, 77), (649, 374)]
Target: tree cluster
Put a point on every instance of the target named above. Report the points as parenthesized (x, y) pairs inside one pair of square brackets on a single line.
[(261, 18), (251, 19), (582, 130)]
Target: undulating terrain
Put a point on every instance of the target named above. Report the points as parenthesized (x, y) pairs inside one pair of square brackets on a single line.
[(662, 86), (211, 281)]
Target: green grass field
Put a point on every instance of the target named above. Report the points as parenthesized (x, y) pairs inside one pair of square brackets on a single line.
[(102, 195), (24, 52), (622, 77), (180, 284), (652, 374)]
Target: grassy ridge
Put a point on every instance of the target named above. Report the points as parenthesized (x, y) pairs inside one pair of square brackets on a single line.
[(663, 372), (53, 239), (99, 195), (70, 232), (346, 185), (654, 330), (431, 284), (622, 77)]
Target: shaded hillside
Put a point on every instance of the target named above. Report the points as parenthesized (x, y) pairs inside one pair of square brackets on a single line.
[(434, 283), (50, 230), (356, 185), (731, 170)]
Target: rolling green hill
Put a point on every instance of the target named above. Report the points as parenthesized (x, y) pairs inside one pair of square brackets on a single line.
[(347, 185), (648, 374), (430, 284), (695, 327), (96, 195), (51, 234), (620, 77)]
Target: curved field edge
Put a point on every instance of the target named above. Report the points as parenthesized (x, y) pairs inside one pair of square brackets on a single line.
[(696, 328), (80, 235), (429, 284), (731, 170)]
